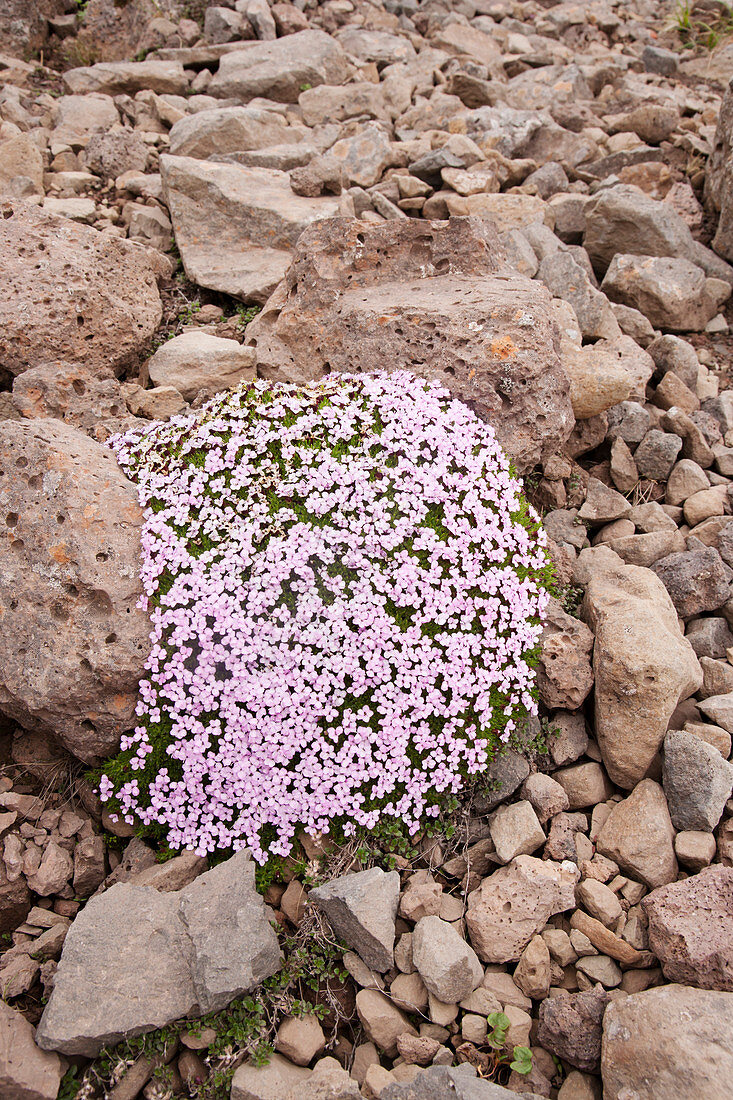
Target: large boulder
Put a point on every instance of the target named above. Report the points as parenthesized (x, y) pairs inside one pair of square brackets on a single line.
[(668, 1042), (72, 292), (136, 958), (691, 931), (623, 219), (279, 70), (230, 130), (432, 297), (127, 78), (235, 226), (643, 667), (73, 642)]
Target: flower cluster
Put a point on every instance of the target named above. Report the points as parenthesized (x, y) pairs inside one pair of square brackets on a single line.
[(345, 586)]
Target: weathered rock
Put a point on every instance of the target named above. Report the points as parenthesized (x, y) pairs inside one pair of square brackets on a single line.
[(270, 1082), (515, 831), (278, 70), (26, 1073), (719, 178), (383, 1022), (622, 219), (673, 293), (695, 579), (70, 556), (135, 958), (533, 973), (300, 1039), (448, 966), (72, 292), (21, 167), (414, 288), (440, 1082), (73, 393), (672, 1041), (570, 1027), (54, 871), (564, 673), (690, 929), (253, 210), (362, 908), (697, 781), (76, 117), (15, 897), (231, 130), (197, 361), (109, 155), (127, 77), (643, 667), (514, 903), (638, 835), (328, 1081)]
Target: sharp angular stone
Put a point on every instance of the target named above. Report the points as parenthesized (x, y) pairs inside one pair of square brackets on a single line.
[(448, 966), (26, 1073), (638, 835), (697, 781), (362, 908), (278, 70)]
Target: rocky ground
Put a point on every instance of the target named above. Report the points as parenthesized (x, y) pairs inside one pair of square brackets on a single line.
[(534, 201)]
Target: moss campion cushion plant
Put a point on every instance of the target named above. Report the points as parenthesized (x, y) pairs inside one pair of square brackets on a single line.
[(345, 585)]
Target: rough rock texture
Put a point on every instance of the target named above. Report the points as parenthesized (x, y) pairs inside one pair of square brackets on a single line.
[(26, 1073), (279, 70), (135, 958), (73, 644), (638, 835), (690, 928), (697, 781), (72, 292), (570, 1028), (564, 673), (362, 908), (222, 130), (235, 226), (673, 1041), (447, 965), (442, 1082), (643, 667), (197, 361), (514, 903), (719, 178), (413, 293)]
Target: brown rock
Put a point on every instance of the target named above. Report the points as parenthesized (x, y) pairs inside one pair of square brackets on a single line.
[(72, 291), (413, 291), (643, 667), (73, 643), (382, 1021), (516, 902), (55, 870), (15, 900), (691, 931), (26, 1073), (564, 673), (570, 1026), (638, 834)]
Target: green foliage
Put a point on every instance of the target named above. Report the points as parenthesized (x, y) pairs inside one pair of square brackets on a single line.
[(246, 314), (702, 31), (499, 1023), (570, 597), (520, 1058)]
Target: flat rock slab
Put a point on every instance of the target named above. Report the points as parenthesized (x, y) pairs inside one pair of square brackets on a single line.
[(434, 298), (278, 70), (668, 1042), (127, 77), (136, 959), (443, 1082), (235, 226), (361, 909), (73, 293)]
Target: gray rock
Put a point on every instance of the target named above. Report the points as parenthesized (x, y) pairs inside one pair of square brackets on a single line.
[(506, 773), (628, 421), (224, 130), (623, 219), (695, 579), (656, 454), (278, 70), (570, 1027), (566, 279), (672, 293), (660, 61), (361, 908), (709, 636), (697, 781), (719, 708), (668, 1042), (135, 958), (456, 1083), (448, 966), (671, 353)]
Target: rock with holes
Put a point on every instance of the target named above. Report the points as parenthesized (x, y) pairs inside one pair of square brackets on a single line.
[(73, 292), (73, 642), (433, 297), (74, 393)]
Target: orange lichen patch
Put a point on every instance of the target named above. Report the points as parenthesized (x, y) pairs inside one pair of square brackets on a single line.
[(59, 553), (503, 347)]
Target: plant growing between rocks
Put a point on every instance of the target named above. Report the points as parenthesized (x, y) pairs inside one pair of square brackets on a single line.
[(345, 585)]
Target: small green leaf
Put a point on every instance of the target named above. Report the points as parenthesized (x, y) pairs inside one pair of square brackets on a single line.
[(522, 1061)]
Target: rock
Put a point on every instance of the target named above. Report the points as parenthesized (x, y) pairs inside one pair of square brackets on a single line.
[(514, 903), (440, 1082), (656, 454), (643, 667), (252, 209), (638, 835), (278, 70), (381, 1020), (697, 781), (328, 1081), (565, 278), (603, 504), (694, 849), (695, 579), (507, 771), (446, 279), (231, 130), (570, 1027), (21, 167), (570, 738), (273, 1081), (71, 556), (672, 1041), (109, 155), (76, 117), (690, 929), (89, 865), (622, 219), (127, 78), (564, 674), (719, 708), (361, 909), (135, 958), (26, 1073), (515, 831), (197, 361), (93, 299), (300, 1039), (672, 293), (546, 796), (719, 180), (55, 870), (599, 900), (533, 973), (447, 965)]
